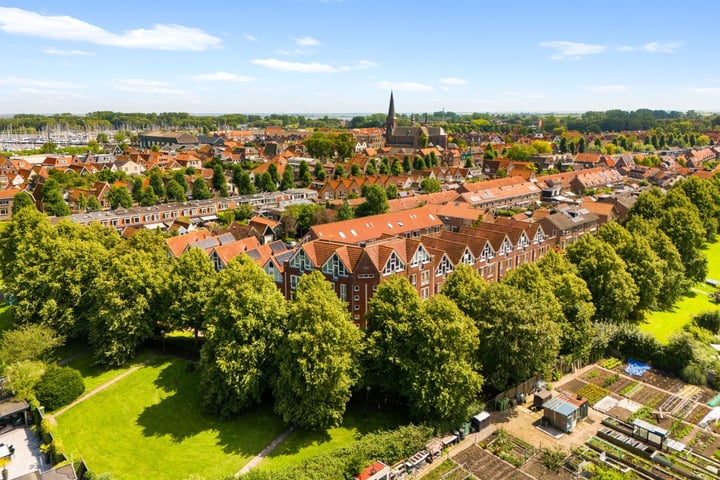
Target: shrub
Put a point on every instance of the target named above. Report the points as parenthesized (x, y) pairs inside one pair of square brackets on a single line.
[(708, 320), (59, 386), (694, 373)]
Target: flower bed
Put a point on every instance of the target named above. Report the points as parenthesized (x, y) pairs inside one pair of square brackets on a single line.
[(594, 393)]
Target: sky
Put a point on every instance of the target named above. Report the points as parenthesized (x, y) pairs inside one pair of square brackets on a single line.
[(346, 56)]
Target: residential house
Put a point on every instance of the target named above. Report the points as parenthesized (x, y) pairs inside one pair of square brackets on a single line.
[(166, 139), (267, 230), (6, 202), (500, 193), (568, 224)]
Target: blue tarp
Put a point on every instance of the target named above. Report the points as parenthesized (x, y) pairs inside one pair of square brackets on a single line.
[(636, 368)]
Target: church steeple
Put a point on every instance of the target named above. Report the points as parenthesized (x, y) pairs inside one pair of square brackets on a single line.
[(391, 120)]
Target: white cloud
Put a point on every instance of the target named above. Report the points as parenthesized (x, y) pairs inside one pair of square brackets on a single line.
[(30, 82), (652, 47), (136, 85), (572, 50), (67, 53), (311, 67), (221, 76), (63, 27), (453, 81), (307, 42), (404, 86), (606, 88), (249, 38)]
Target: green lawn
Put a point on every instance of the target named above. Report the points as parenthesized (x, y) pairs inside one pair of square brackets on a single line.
[(665, 323), (95, 376), (301, 445), (149, 425)]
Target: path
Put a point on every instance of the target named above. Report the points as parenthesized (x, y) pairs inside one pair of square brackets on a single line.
[(72, 357), (95, 391), (265, 452)]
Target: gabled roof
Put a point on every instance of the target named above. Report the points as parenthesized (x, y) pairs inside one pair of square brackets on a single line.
[(228, 251), (177, 245)]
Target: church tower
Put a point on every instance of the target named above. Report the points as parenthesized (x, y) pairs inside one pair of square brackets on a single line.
[(391, 120)]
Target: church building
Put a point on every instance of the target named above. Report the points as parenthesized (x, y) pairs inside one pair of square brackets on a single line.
[(414, 136)]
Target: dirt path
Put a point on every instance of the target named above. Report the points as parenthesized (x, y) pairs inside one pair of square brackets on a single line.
[(265, 452), (64, 361), (93, 392)]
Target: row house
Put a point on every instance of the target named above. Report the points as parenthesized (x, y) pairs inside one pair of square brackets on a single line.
[(356, 270), (7, 198), (500, 194), (568, 224), (601, 178)]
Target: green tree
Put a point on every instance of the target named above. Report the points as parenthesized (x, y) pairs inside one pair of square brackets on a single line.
[(130, 296), (395, 167), (200, 190), (243, 183), (119, 197), (22, 200), (288, 180), (137, 189), (425, 352), (149, 197), (92, 204), (430, 185), (392, 192), (614, 292), (339, 171), (376, 201), (179, 177), (680, 220), (191, 279), (319, 145), (29, 342), (175, 192), (274, 175), (156, 182), (345, 212), (520, 336), (642, 262), (673, 283), (219, 182), (52, 199), (704, 195), (59, 386), (245, 318), (317, 357)]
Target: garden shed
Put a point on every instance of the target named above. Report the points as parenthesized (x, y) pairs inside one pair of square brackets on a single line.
[(563, 412), (541, 396), (480, 421)]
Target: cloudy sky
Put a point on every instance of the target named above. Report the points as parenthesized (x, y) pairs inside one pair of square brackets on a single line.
[(328, 56)]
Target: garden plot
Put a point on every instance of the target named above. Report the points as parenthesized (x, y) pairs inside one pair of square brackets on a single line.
[(485, 465)]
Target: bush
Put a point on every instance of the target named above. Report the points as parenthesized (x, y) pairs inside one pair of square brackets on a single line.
[(694, 373), (59, 386), (708, 320)]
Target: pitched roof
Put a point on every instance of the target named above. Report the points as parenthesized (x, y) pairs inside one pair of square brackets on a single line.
[(228, 251), (374, 227), (177, 245)]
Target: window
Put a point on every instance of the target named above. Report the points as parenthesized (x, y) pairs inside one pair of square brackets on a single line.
[(425, 278), (356, 307), (343, 292), (301, 261), (356, 298), (444, 267), (356, 288), (366, 275), (3, 212), (334, 267), (294, 281), (467, 257), (356, 317), (393, 264), (421, 257), (425, 292), (413, 279)]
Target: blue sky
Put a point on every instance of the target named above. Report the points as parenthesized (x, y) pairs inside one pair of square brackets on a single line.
[(328, 56)]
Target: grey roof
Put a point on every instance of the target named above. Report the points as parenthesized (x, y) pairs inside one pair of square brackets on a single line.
[(560, 406), (8, 407), (226, 238)]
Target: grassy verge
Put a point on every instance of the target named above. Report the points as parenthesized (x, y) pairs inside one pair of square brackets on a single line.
[(149, 425)]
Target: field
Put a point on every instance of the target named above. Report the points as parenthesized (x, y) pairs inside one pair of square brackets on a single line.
[(665, 323), (149, 425)]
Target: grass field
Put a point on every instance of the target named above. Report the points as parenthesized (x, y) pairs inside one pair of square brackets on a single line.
[(94, 376), (665, 323), (149, 425), (301, 445)]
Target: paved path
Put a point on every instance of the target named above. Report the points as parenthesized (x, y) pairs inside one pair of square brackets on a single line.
[(265, 452), (94, 392)]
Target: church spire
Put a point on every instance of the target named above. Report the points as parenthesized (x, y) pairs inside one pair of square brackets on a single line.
[(391, 120)]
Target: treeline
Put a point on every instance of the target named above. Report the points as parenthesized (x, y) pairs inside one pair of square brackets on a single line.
[(435, 356)]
